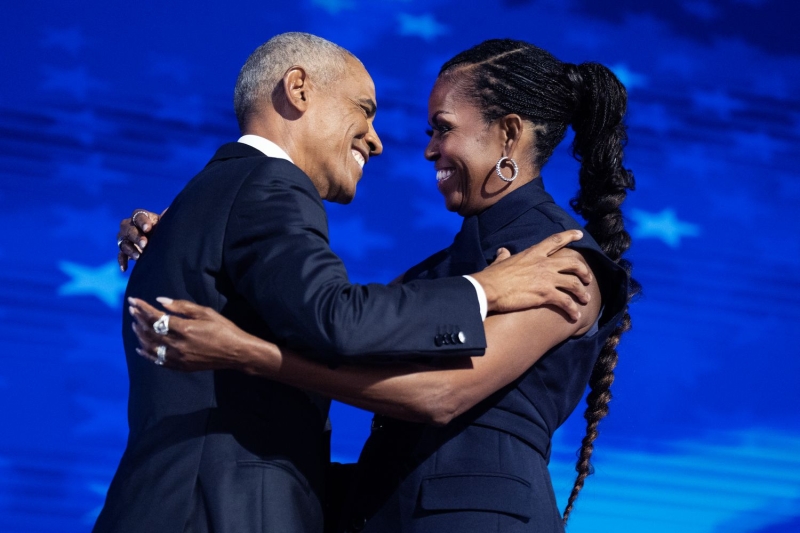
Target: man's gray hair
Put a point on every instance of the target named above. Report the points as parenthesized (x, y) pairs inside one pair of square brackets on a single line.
[(322, 60)]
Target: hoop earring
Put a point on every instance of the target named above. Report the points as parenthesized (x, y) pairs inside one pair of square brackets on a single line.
[(513, 165)]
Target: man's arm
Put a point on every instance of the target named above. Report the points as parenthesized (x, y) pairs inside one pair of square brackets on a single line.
[(277, 255), (205, 340)]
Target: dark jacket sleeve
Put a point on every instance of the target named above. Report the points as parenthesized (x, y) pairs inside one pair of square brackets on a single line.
[(278, 257)]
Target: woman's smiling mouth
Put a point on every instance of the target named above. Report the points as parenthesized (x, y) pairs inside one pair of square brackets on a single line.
[(445, 173)]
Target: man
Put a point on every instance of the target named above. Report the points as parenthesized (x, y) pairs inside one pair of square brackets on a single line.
[(221, 451)]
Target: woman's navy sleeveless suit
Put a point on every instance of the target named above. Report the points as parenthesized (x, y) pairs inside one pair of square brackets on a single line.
[(487, 470)]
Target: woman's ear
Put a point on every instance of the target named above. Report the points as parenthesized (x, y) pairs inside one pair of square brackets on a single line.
[(512, 129), (296, 88)]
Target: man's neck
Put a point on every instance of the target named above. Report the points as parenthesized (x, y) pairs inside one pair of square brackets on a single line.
[(265, 146)]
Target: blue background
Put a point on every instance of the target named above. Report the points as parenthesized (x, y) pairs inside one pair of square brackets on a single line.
[(107, 106)]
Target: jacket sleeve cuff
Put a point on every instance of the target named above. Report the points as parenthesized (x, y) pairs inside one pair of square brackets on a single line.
[(482, 302)]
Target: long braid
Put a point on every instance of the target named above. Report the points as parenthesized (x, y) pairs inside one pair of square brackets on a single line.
[(506, 76), (599, 141)]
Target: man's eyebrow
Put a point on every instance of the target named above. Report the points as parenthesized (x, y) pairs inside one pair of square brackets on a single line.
[(369, 106)]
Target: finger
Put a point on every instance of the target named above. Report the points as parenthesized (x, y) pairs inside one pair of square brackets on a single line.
[(122, 259), (573, 286), (146, 340), (556, 242), (151, 314), (167, 362), (150, 357), (502, 255), (127, 248), (576, 267), (183, 307), (568, 305), (144, 219), (129, 232)]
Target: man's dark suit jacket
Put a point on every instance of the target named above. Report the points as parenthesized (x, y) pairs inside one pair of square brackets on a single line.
[(222, 451)]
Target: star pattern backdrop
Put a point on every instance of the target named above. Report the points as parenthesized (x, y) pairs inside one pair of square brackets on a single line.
[(107, 106)]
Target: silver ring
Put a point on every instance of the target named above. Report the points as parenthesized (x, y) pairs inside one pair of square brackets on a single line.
[(119, 242), (161, 355), (133, 217), (161, 326)]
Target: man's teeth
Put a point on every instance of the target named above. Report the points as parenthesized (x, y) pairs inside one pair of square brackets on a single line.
[(442, 175), (358, 157)]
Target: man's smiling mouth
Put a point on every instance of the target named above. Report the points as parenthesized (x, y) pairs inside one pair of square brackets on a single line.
[(358, 157)]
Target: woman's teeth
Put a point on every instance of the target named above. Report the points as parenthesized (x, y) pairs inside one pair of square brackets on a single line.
[(358, 157), (442, 175)]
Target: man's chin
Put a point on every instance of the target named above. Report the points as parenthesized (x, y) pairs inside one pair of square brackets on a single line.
[(344, 196)]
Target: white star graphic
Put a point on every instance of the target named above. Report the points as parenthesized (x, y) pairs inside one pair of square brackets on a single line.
[(629, 78), (664, 225), (423, 26), (105, 282)]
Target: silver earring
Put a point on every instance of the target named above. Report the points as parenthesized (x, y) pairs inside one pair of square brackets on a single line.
[(513, 174)]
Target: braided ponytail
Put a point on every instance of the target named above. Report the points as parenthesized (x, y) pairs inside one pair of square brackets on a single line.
[(504, 76), (599, 140)]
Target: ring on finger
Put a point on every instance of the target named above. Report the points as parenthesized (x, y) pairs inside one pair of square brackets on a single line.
[(119, 242), (161, 326), (161, 355), (140, 212)]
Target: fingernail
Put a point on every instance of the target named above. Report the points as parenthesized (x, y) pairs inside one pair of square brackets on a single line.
[(140, 351), (131, 310), (142, 243), (121, 268), (131, 300), (145, 227), (136, 255), (164, 300)]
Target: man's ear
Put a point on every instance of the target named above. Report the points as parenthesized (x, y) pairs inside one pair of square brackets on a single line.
[(296, 88)]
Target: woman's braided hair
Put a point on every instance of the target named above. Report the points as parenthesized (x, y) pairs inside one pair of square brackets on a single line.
[(503, 76)]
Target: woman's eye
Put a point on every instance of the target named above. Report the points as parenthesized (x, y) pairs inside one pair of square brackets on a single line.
[(439, 128)]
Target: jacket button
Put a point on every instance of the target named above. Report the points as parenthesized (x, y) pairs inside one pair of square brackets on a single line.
[(438, 340), (461, 337)]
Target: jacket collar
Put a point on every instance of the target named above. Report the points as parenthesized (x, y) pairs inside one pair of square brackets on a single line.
[(511, 207), (235, 150), (466, 254)]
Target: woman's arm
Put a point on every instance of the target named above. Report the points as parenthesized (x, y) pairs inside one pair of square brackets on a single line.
[(205, 340)]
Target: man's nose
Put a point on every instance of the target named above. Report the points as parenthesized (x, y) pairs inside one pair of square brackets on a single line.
[(374, 142)]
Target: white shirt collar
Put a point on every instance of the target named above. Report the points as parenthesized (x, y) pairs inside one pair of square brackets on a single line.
[(265, 146)]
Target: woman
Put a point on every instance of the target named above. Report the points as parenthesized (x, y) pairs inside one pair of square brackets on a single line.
[(497, 112)]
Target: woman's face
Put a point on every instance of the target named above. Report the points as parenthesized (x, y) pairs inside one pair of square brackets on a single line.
[(464, 150)]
